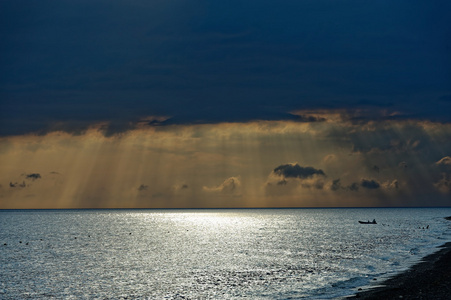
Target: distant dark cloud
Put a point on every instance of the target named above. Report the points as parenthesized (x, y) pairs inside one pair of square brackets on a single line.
[(369, 184), (309, 118), (290, 176), (66, 66), (355, 186), (296, 171), (15, 184), (143, 187), (336, 185), (33, 176), (30, 177)]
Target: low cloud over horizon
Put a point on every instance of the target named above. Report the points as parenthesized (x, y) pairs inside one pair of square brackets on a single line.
[(256, 164)]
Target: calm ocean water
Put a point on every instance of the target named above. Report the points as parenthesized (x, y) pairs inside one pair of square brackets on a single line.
[(205, 254)]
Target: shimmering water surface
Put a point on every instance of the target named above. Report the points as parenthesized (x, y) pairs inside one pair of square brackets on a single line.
[(204, 254)]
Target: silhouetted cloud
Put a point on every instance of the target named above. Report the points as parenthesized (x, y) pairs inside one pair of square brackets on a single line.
[(33, 176), (296, 171), (15, 184), (355, 186), (292, 175), (309, 118), (370, 184)]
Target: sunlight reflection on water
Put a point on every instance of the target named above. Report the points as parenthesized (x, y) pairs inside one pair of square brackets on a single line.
[(175, 254)]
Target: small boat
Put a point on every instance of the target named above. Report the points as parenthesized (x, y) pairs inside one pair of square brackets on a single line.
[(372, 222)]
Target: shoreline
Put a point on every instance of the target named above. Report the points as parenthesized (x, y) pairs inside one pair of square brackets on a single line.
[(428, 279)]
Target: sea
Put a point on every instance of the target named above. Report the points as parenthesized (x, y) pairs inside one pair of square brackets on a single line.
[(211, 253)]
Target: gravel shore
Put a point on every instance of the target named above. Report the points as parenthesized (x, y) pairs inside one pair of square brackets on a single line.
[(429, 279)]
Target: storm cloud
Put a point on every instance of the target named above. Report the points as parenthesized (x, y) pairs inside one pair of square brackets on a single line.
[(78, 63)]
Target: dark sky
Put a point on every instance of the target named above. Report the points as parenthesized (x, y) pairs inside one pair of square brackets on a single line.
[(75, 63)]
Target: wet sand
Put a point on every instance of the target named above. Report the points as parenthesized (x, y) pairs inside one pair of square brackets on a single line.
[(429, 279)]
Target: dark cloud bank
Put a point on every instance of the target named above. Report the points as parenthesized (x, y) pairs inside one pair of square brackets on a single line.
[(68, 64), (31, 176), (425, 182), (295, 171)]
